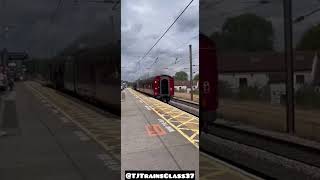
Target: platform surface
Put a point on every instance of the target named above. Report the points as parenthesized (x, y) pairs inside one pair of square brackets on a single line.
[(171, 145), (43, 144)]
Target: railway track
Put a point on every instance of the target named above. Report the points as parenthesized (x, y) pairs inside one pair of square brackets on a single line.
[(189, 103), (187, 106), (305, 153), (279, 144), (297, 158)]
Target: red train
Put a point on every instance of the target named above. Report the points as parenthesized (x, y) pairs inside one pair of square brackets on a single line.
[(160, 87), (208, 79)]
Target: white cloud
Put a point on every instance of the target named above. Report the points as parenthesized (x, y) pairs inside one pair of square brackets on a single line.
[(143, 22)]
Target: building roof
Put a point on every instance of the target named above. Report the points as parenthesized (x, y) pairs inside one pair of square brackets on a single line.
[(263, 62), (277, 77)]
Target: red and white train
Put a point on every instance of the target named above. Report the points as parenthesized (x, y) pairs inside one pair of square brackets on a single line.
[(160, 87), (208, 80)]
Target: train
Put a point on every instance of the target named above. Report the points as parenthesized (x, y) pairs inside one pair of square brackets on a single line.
[(90, 73), (208, 80), (160, 87), (94, 73)]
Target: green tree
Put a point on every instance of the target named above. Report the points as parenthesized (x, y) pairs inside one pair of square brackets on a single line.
[(246, 32), (310, 39), (181, 76), (196, 77)]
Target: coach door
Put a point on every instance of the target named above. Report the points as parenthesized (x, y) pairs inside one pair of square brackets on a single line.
[(164, 86)]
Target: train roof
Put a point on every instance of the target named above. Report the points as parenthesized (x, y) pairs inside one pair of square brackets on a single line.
[(151, 78), (206, 39), (163, 75)]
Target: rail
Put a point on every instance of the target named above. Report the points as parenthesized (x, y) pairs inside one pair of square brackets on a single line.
[(286, 146)]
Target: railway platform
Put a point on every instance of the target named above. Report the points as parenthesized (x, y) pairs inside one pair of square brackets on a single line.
[(158, 136), (148, 142), (47, 137)]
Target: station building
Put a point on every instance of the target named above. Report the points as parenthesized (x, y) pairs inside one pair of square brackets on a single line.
[(267, 70)]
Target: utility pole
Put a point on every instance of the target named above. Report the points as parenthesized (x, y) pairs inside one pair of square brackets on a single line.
[(287, 7), (190, 56), (112, 28)]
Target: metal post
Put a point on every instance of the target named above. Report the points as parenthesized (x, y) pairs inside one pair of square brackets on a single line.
[(191, 88), (287, 7)]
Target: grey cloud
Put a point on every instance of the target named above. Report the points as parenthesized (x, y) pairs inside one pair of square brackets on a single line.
[(155, 17), (213, 15), (35, 32)]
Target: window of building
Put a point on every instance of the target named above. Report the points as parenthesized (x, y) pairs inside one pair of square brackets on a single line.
[(243, 83), (300, 79)]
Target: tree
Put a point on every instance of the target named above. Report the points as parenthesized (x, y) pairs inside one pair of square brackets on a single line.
[(181, 76), (246, 32), (196, 77), (310, 39)]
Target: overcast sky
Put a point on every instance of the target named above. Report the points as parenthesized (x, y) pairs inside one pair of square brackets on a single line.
[(213, 13), (30, 28), (143, 22)]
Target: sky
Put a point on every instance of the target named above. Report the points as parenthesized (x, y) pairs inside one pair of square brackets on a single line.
[(31, 28), (143, 22), (213, 13)]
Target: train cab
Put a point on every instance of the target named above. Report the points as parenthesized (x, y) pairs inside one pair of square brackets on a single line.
[(164, 87), (160, 87), (208, 79)]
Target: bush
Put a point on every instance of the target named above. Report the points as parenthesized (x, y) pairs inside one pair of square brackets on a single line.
[(224, 89), (265, 93), (254, 93), (307, 96), (180, 90), (249, 93), (196, 91)]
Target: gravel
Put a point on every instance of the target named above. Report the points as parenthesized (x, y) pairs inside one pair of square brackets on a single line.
[(259, 160)]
